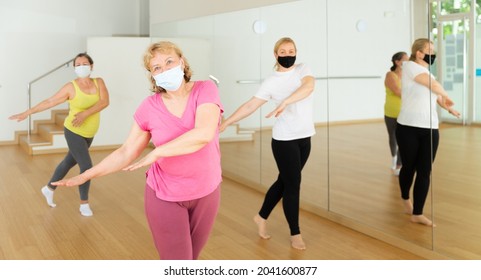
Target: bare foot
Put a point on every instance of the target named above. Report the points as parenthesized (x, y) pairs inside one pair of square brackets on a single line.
[(297, 242), (261, 226), (421, 219), (408, 206)]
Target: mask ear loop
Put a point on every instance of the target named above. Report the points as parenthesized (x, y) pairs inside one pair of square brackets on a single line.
[(182, 64)]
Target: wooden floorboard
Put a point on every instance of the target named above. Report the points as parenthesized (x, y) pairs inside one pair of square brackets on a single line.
[(30, 230), (348, 173)]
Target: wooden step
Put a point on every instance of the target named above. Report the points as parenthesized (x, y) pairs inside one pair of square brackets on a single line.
[(41, 139), (47, 130), (60, 117), (34, 140)]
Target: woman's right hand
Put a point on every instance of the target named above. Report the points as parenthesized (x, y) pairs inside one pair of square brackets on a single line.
[(19, 117), (222, 126)]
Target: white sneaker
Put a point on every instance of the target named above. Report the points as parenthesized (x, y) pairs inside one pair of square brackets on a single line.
[(85, 210)]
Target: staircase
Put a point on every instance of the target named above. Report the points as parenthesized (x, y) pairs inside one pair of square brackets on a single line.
[(46, 136)]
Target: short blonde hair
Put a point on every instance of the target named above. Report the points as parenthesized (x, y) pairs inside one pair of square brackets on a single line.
[(418, 45), (164, 47)]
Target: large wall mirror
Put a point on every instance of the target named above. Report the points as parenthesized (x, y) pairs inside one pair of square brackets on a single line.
[(348, 45)]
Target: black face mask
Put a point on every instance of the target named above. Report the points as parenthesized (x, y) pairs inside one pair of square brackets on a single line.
[(286, 61), (429, 58)]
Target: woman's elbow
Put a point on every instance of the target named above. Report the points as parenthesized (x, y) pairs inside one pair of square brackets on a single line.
[(309, 90), (310, 85), (104, 104), (206, 137)]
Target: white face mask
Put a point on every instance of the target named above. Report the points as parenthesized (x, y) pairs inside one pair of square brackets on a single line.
[(83, 71), (171, 79)]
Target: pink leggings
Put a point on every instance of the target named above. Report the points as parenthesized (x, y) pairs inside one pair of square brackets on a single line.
[(181, 229)]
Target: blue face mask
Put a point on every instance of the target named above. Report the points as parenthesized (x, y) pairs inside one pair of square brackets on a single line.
[(171, 79)]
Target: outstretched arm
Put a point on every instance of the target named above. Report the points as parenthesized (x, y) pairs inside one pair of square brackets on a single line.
[(243, 111), (136, 142), (450, 109), (435, 87), (306, 88), (59, 97)]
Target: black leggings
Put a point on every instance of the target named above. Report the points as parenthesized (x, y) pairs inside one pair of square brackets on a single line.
[(418, 148), (290, 156), (78, 153)]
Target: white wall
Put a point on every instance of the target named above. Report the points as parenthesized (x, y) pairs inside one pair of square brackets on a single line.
[(368, 53), (420, 18), (119, 63), (37, 36), (167, 10)]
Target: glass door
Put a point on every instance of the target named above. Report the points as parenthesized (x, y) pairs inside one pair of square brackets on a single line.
[(452, 42)]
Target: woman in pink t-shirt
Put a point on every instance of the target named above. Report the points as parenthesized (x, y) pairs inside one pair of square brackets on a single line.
[(181, 118)]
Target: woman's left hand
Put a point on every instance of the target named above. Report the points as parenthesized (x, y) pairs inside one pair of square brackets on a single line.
[(78, 119)]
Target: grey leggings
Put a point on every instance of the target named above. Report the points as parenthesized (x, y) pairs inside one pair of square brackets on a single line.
[(391, 124), (78, 154)]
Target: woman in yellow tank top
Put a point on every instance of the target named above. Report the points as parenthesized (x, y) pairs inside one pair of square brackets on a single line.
[(392, 106), (86, 97)]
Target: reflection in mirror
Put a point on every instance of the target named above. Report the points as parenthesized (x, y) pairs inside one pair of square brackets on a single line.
[(362, 186)]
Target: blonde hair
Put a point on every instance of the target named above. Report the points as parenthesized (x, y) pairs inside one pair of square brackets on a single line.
[(280, 42), (418, 45), (164, 47)]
